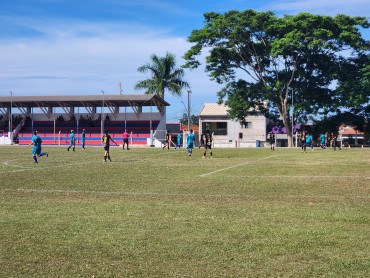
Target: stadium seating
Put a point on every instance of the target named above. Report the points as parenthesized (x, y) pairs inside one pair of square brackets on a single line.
[(140, 131)]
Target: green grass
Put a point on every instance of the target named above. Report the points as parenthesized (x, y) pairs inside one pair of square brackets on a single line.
[(160, 213)]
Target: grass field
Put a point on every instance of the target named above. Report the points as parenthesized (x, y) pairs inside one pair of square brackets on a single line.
[(160, 213)]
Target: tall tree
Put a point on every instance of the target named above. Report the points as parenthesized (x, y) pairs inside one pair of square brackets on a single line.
[(164, 76), (266, 59)]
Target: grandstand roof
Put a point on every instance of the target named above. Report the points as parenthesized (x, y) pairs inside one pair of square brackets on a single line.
[(75, 100)]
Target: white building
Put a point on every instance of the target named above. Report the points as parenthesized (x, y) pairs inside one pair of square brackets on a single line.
[(251, 132)]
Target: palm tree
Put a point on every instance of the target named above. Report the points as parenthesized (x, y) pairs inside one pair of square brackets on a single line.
[(164, 76)]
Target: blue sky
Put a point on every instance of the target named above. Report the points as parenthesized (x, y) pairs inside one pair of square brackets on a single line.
[(70, 47)]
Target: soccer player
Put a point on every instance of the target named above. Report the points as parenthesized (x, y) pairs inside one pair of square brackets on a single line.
[(272, 141), (83, 139), (207, 143), (322, 143), (190, 145), (303, 141), (168, 139), (309, 141), (202, 139), (72, 141), (178, 141), (125, 139), (106, 142), (36, 141), (334, 143)]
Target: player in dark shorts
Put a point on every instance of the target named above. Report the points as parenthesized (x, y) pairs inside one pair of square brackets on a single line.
[(201, 140), (303, 138), (272, 141), (125, 139), (334, 143), (106, 142), (207, 143), (168, 139)]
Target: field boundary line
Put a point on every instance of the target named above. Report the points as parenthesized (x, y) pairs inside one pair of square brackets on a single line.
[(230, 167), (299, 177), (136, 193), (42, 168)]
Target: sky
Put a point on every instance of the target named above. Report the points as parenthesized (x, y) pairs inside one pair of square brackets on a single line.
[(83, 47)]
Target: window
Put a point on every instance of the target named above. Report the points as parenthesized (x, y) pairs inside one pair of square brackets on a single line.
[(246, 124)]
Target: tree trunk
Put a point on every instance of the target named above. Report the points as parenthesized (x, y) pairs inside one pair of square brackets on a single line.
[(287, 124)]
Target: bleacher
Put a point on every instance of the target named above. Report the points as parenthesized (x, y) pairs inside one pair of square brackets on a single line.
[(139, 132)]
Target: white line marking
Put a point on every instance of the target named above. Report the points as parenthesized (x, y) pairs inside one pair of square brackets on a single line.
[(227, 168), (6, 163), (47, 167), (175, 194), (299, 177)]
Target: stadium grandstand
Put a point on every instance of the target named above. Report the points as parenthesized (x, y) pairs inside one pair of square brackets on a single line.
[(55, 116)]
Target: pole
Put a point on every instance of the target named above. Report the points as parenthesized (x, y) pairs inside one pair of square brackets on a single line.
[(189, 92), (54, 130), (78, 115), (32, 120), (102, 116), (11, 118), (292, 118)]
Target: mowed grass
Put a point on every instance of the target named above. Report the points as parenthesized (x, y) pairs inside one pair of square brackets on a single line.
[(160, 213)]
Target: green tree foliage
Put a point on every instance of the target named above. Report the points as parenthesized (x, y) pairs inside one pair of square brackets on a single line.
[(262, 58), (164, 76), (194, 120)]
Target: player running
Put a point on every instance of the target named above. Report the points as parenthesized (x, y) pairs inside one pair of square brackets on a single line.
[(322, 143), (36, 141), (207, 143), (106, 142), (72, 141), (168, 140), (303, 138), (309, 141), (178, 141), (272, 141), (125, 139), (334, 143), (83, 139), (190, 145)]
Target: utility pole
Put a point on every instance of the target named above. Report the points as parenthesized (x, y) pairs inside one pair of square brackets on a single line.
[(189, 92), (102, 116), (11, 118), (291, 112)]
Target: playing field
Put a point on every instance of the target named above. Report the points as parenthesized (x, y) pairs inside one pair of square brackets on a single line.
[(160, 213)]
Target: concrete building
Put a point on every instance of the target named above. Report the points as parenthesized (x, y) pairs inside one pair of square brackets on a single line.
[(251, 132)]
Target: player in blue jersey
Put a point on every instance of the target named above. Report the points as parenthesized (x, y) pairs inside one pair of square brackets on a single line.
[(83, 139), (36, 141), (72, 141), (207, 143), (309, 141), (178, 145), (190, 145), (322, 143)]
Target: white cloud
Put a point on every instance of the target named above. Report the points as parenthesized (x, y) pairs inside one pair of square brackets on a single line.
[(84, 58)]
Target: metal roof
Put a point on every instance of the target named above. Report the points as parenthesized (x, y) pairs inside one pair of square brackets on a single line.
[(75, 100)]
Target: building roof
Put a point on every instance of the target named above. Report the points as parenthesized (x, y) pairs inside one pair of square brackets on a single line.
[(213, 109), (348, 130), (75, 100)]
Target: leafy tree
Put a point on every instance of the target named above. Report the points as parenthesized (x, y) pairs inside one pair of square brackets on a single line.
[(194, 120), (164, 76), (265, 59)]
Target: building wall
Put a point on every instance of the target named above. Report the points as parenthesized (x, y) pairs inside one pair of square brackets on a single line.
[(256, 131)]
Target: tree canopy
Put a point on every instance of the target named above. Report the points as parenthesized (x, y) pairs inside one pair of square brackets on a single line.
[(261, 57), (164, 76)]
